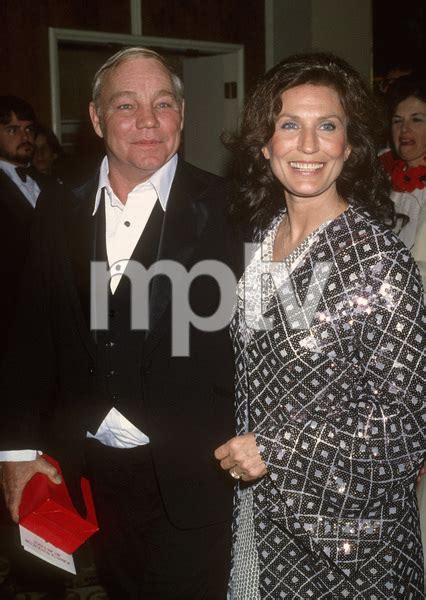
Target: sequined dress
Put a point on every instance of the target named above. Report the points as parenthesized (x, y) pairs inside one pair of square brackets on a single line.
[(331, 378)]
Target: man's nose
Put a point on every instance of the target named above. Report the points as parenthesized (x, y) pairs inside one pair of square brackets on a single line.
[(25, 135), (146, 117), (308, 141)]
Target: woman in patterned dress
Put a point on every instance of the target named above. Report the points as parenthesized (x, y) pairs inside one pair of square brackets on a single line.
[(328, 333)]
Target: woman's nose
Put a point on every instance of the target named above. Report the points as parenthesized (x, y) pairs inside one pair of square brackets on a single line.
[(405, 125), (308, 140)]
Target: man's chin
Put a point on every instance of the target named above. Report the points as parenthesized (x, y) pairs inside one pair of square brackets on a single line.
[(22, 159)]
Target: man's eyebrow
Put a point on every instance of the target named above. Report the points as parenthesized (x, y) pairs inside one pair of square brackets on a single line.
[(132, 94), (120, 94), (166, 92)]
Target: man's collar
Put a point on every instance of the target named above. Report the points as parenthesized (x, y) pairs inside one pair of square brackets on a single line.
[(8, 167), (161, 181)]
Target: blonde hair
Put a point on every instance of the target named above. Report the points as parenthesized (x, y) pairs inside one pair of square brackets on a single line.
[(127, 54)]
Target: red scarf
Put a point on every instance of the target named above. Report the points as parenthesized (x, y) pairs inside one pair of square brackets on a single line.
[(407, 179)]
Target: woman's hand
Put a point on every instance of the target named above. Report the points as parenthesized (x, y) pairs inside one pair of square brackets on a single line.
[(241, 457)]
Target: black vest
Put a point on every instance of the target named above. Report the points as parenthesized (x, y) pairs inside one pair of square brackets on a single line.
[(120, 348)]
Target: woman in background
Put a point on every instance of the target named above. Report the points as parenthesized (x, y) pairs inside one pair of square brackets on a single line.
[(407, 110), (407, 105), (47, 152), (328, 334)]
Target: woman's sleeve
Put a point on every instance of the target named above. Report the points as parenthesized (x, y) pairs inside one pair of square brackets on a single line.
[(374, 438)]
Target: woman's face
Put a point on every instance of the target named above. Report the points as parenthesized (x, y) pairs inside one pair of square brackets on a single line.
[(44, 157), (309, 146), (409, 131)]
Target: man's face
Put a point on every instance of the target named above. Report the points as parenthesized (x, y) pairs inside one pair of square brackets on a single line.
[(17, 141), (139, 117)]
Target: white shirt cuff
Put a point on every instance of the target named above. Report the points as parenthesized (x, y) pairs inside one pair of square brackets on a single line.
[(18, 455)]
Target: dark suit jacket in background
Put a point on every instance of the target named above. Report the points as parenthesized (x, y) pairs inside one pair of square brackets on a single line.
[(51, 387), (16, 218)]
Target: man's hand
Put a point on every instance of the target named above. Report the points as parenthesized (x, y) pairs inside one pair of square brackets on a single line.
[(241, 457), (16, 475)]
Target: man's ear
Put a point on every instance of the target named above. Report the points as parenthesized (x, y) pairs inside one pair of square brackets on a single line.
[(182, 112), (96, 121)]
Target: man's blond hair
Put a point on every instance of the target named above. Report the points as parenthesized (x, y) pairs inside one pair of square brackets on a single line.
[(127, 54)]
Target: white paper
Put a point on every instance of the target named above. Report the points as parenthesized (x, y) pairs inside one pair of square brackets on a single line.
[(36, 545)]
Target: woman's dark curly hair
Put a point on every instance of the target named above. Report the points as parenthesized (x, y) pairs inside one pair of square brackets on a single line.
[(404, 87), (258, 195)]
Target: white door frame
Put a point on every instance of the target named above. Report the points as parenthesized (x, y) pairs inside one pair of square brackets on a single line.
[(57, 35)]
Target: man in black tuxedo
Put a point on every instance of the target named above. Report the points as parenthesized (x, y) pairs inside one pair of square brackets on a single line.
[(20, 186), (146, 419), (19, 191)]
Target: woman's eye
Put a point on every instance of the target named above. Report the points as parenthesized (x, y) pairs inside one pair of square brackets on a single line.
[(418, 120), (396, 121), (289, 125), (328, 126)]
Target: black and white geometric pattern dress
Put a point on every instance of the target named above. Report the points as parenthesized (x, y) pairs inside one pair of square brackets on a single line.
[(331, 378)]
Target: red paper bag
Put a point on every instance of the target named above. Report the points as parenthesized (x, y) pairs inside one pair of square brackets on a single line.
[(47, 511)]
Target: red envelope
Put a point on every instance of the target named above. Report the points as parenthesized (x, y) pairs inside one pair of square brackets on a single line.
[(47, 511)]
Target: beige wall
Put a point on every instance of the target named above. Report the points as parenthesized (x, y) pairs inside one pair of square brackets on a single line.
[(287, 28), (345, 28), (340, 26)]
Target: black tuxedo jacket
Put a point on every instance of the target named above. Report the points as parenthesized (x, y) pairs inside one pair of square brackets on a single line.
[(51, 383), (16, 218)]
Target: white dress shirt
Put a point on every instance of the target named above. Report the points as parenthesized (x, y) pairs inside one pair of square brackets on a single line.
[(29, 187), (124, 226)]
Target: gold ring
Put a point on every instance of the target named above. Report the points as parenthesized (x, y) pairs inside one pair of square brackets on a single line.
[(234, 474)]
